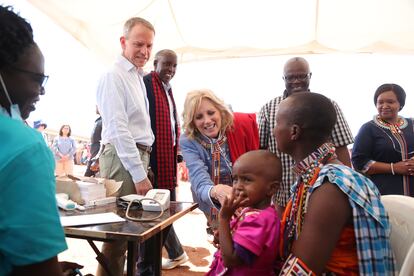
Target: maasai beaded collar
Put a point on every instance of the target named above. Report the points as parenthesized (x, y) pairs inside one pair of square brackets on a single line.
[(394, 128), (308, 171), (306, 168)]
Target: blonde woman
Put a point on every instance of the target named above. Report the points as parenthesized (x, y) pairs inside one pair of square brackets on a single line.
[(214, 137), (64, 148)]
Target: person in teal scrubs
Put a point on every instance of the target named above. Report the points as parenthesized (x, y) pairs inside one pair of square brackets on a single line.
[(31, 235)]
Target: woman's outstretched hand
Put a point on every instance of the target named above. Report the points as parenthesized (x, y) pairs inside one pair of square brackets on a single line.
[(220, 191)]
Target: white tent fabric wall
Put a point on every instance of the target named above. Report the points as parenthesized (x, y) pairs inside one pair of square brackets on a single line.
[(244, 82), (349, 79), (217, 29)]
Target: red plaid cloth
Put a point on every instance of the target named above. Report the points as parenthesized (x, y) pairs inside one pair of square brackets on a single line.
[(166, 153)]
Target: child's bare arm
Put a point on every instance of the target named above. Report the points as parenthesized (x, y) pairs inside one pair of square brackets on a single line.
[(227, 210)]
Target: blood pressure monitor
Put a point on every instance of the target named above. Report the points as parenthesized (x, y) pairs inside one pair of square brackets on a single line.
[(161, 200)]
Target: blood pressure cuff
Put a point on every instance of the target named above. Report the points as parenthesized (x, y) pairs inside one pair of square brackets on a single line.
[(295, 266), (136, 205)]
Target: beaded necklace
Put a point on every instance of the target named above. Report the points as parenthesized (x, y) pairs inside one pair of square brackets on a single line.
[(394, 128), (216, 151), (396, 134), (308, 171)]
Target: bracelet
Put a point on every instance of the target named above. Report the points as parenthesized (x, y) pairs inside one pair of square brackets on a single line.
[(392, 168), (293, 264)]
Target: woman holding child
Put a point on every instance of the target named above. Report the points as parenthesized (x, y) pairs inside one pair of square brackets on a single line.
[(213, 138), (334, 222)]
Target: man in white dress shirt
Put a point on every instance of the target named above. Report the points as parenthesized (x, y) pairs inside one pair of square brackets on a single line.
[(126, 132)]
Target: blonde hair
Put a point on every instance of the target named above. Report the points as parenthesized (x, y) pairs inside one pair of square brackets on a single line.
[(193, 102), (130, 23)]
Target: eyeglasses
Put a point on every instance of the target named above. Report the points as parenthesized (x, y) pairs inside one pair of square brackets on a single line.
[(40, 78), (300, 77)]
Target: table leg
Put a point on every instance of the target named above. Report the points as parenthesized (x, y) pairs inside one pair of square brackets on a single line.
[(100, 257), (158, 241), (131, 258)]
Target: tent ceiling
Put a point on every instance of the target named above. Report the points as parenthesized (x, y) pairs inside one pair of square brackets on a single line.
[(218, 29)]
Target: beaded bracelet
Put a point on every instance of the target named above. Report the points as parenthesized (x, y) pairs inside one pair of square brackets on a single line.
[(392, 169)]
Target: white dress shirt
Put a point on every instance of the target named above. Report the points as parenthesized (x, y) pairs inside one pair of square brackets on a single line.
[(123, 104)]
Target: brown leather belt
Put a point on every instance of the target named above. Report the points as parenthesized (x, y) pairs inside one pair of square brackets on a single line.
[(147, 149)]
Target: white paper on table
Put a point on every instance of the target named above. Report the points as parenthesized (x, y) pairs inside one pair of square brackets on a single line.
[(90, 219)]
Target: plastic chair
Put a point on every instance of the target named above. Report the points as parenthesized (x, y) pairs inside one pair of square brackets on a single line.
[(401, 214), (407, 268)]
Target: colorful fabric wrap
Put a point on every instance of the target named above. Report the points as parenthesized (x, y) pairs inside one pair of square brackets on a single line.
[(370, 220), (371, 225)]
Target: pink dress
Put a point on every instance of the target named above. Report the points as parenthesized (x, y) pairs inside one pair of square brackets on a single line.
[(257, 231)]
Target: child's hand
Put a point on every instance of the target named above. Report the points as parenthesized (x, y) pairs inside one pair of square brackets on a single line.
[(230, 205), (216, 241)]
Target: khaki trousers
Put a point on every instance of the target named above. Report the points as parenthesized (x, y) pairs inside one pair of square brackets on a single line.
[(112, 168)]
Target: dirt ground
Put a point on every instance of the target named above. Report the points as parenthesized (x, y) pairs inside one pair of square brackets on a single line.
[(190, 229)]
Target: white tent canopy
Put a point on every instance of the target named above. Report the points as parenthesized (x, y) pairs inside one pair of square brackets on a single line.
[(235, 48), (220, 29)]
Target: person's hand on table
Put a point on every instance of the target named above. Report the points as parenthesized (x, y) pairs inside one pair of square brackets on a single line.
[(143, 186)]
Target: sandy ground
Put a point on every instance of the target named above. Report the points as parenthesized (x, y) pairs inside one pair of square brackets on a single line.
[(190, 230)]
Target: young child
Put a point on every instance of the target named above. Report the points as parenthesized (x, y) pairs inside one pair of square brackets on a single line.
[(249, 242)]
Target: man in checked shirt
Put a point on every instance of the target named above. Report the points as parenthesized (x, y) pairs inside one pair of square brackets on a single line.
[(297, 77)]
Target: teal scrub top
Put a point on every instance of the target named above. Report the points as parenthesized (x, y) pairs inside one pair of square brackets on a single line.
[(30, 228)]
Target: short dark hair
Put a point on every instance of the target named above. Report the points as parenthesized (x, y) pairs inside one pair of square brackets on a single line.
[(164, 52), (398, 91), (315, 113), (16, 35)]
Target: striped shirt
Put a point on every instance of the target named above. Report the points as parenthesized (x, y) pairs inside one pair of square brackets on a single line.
[(341, 136)]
